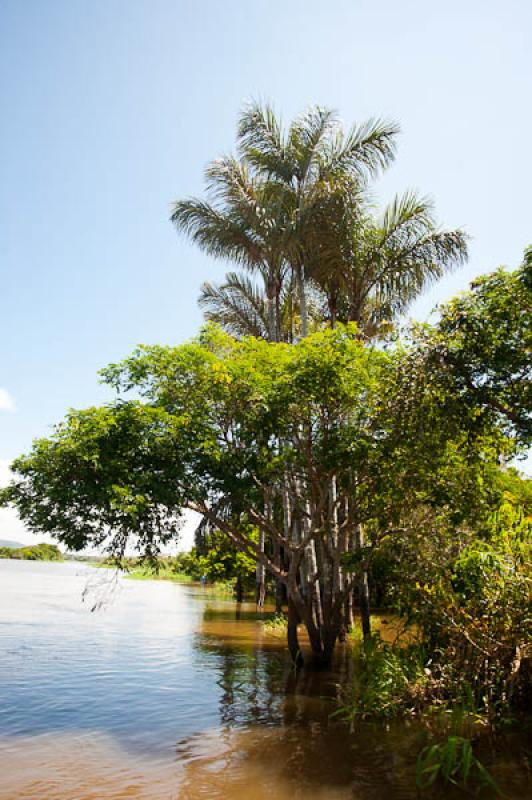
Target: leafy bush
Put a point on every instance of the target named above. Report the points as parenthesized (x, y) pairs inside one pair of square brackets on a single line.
[(470, 598)]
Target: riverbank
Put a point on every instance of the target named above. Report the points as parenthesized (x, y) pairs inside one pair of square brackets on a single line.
[(166, 572), (35, 552)]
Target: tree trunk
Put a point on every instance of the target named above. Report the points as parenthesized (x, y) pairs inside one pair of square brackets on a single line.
[(348, 612), (278, 332), (332, 309), (279, 585), (322, 638), (261, 569), (302, 301), (363, 586), (261, 574), (270, 305), (239, 589), (293, 641)]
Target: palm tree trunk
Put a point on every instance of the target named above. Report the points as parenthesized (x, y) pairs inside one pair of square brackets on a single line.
[(272, 327), (278, 332), (303, 311)]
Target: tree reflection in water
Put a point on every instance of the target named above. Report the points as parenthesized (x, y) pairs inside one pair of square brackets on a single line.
[(277, 736)]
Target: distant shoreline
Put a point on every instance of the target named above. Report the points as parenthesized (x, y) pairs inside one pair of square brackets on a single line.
[(35, 552)]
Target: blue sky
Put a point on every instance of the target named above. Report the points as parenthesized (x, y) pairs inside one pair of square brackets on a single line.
[(111, 109)]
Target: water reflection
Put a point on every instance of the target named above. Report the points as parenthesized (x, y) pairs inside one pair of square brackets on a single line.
[(166, 693)]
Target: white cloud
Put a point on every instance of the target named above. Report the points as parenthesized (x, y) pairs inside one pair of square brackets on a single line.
[(6, 401)]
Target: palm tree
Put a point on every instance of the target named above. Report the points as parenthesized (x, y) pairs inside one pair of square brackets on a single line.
[(293, 211), (371, 269), (239, 305), (309, 166), (243, 223)]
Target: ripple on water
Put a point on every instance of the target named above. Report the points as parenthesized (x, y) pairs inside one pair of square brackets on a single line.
[(165, 693)]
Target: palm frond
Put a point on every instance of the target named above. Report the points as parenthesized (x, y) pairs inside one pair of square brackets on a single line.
[(308, 138), (261, 141), (408, 252), (405, 215), (237, 305), (216, 233), (365, 150)]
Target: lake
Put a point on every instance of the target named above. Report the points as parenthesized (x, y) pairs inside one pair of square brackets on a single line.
[(114, 688)]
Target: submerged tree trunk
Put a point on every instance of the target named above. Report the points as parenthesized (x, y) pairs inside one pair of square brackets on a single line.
[(322, 637), (292, 638)]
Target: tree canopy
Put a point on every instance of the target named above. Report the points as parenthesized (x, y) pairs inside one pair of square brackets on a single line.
[(297, 430), (329, 442)]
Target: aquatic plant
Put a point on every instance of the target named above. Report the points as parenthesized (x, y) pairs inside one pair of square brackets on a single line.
[(276, 625), (452, 762)]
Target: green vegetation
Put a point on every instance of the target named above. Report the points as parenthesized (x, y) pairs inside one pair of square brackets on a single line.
[(10, 543), (36, 552), (216, 560), (276, 625), (452, 762), (147, 574), (165, 569), (217, 578), (334, 459)]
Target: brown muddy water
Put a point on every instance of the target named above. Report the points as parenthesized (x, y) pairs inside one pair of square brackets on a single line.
[(163, 692)]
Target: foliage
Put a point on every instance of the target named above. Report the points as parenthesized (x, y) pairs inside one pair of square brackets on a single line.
[(383, 681), (482, 345), (294, 210), (276, 625), (36, 552), (470, 598), (515, 489), (219, 561), (452, 762), (105, 475), (165, 568)]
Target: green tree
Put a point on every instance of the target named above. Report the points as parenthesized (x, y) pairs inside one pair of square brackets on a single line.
[(371, 268), (294, 209), (104, 478), (481, 347), (223, 422), (217, 558), (264, 208), (311, 166)]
